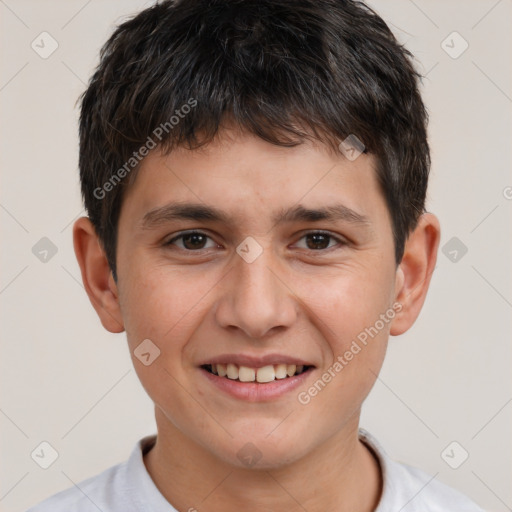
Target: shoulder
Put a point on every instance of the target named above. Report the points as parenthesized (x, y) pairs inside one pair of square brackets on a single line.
[(422, 492), (412, 490), (120, 488), (95, 493)]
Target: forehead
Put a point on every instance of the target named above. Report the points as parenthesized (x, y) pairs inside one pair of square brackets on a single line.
[(238, 175)]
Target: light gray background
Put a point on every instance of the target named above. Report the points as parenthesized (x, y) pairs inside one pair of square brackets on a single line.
[(65, 380)]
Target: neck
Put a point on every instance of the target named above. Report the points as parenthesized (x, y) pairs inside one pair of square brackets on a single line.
[(340, 475)]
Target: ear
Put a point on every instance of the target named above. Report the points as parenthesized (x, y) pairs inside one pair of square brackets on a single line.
[(96, 275), (414, 272)]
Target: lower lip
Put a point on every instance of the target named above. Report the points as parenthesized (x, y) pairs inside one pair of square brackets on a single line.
[(255, 391)]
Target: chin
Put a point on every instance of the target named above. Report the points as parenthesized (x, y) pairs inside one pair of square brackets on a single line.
[(263, 451)]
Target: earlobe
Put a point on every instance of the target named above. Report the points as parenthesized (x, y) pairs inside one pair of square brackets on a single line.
[(96, 275), (415, 271)]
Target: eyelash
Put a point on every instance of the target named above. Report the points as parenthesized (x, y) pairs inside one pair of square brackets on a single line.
[(340, 241)]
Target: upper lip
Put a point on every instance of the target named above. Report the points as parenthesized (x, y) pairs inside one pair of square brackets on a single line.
[(251, 361)]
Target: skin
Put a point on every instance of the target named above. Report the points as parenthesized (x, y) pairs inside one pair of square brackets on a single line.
[(293, 300)]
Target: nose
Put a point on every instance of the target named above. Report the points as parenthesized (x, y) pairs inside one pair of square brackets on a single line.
[(255, 298)]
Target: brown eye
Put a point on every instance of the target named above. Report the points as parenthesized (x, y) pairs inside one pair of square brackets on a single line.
[(192, 241), (317, 241)]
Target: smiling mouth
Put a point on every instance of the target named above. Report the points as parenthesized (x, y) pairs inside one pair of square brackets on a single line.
[(265, 374)]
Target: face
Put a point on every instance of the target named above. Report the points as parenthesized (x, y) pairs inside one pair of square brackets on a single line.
[(261, 261)]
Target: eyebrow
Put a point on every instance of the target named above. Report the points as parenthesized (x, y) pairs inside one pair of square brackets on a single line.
[(202, 212)]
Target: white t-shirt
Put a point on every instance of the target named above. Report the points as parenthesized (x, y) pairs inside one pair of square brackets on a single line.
[(127, 487)]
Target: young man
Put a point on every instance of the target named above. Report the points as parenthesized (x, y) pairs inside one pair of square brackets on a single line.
[(254, 173)]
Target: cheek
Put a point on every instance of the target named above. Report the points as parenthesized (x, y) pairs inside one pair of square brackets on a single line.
[(353, 312), (346, 302), (157, 305), (166, 308)]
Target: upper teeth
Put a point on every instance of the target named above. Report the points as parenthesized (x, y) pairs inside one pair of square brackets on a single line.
[(264, 374)]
